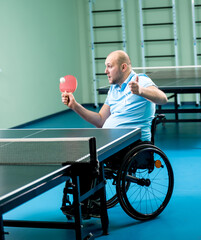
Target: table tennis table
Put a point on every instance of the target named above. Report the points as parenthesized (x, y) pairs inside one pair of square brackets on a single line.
[(174, 81), (23, 179)]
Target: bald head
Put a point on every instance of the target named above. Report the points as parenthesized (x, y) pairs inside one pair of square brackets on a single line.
[(121, 57), (118, 67)]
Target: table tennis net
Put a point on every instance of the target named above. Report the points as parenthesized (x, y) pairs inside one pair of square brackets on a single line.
[(39, 151)]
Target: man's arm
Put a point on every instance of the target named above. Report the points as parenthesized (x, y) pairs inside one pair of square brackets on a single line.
[(151, 93), (97, 119), (154, 95)]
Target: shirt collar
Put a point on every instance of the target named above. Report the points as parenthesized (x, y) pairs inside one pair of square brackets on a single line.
[(124, 84)]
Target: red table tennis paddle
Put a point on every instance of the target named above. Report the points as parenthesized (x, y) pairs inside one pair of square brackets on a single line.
[(68, 84)]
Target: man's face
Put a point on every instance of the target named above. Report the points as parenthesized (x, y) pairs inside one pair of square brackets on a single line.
[(113, 70)]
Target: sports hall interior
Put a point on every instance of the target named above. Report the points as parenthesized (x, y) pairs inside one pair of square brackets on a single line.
[(43, 40)]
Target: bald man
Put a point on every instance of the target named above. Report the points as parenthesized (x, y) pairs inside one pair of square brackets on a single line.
[(130, 101)]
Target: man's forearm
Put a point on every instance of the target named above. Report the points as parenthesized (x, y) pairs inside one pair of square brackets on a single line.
[(92, 117)]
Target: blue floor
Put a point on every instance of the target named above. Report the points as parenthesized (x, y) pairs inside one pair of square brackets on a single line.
[(181, 219)]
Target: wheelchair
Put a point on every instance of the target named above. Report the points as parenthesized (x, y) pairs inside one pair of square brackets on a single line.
[(140, 178)]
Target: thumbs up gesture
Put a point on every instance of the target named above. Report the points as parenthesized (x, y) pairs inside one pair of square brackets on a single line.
[(135, 87)]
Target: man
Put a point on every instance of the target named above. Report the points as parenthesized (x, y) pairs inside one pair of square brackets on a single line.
[(130, 101)]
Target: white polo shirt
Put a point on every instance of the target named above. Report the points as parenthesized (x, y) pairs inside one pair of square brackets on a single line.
[(129, 110)]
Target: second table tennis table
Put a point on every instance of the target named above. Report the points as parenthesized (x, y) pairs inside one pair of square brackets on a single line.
[(21, 182), (173, 80)]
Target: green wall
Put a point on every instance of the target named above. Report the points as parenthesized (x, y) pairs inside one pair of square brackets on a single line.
[(42, 40), (39, 43), (184, 32)]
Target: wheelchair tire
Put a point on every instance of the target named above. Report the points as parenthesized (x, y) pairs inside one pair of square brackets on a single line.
[(111, 196), (111, 180), (149, 175)]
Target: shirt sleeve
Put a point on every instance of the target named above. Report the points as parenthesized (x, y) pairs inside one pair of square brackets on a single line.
[(145, 81)]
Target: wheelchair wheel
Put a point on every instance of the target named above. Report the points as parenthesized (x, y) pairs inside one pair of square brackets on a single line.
[(111, 178), (145, 182)]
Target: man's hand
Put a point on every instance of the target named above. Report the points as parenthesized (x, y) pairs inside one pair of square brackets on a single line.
[(68, 99), (135, 87)]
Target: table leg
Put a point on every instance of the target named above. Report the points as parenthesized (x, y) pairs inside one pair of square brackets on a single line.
[(176, 107), (77, 208), (2, 237), (104, 214)]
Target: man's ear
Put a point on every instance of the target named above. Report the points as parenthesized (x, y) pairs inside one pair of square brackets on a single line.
[(124, 67)]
